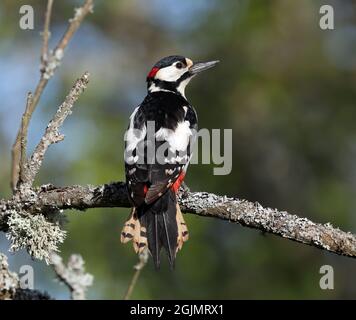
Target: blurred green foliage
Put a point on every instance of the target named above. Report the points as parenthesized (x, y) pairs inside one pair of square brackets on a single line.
[(285, 87)]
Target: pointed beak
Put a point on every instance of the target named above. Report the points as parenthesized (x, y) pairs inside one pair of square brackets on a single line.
[(202, 66)]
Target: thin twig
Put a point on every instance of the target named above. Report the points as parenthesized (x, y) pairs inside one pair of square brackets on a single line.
[(73, 275), (49, 66), (143, 258), (74, 24), (24, 130), (46, 32)]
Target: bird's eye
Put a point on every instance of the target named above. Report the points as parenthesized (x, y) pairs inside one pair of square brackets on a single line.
[(179, 65)]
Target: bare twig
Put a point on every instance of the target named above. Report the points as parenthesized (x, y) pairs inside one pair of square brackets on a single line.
[(52, 135), (49, 66), (143, 258), (16, 148), (74, 24), (24, 130), (46, 33), (73, 275)]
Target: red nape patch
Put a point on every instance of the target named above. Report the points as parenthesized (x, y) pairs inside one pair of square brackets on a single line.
[(153, 72), (176, 185), (145, 189)]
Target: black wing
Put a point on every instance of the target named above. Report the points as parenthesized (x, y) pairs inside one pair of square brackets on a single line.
[(174, 135)]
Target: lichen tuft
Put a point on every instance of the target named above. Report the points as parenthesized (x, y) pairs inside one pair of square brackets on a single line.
[(34, 233)]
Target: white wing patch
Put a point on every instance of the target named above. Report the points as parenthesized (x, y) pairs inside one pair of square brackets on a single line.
[(177, 139), (134, 136)]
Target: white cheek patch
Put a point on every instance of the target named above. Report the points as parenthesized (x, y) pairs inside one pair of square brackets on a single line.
[(170, 73)]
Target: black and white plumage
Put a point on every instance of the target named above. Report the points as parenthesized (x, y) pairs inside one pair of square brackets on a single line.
[(158, 146)]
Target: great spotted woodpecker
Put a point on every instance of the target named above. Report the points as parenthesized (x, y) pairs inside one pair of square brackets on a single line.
[(156, 162)]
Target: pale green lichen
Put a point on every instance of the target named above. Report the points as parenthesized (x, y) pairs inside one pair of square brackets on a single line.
[(34, 233)]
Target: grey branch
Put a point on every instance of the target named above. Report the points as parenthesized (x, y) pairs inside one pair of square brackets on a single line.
[(73, 275), (246, 213), (52, 135)]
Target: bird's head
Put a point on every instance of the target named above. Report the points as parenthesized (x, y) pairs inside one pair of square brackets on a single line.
[(173, 73)]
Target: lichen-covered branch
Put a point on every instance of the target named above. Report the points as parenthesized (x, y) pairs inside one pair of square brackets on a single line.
[(52, 135), (50, 61), (246, 213), (73, 275), (280, 223)]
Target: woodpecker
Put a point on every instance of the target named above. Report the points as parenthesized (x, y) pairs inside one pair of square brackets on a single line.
[(158, 146)]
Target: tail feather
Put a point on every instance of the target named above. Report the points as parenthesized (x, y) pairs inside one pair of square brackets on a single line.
[(157, 225), (183, 234), (155, 245), (134, 230), (162, 230), (128, 230), (169, 238)]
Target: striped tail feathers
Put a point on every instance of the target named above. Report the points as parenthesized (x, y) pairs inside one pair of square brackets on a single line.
[(128, 230), (133, 230), (157, 225)]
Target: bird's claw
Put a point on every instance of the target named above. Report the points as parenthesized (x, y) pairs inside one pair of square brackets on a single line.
[(185, 190)]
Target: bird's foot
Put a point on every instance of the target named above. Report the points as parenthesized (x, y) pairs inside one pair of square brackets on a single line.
[(185, 190)]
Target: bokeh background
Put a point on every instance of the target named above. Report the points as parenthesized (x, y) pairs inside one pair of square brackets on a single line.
[(286, 89)]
